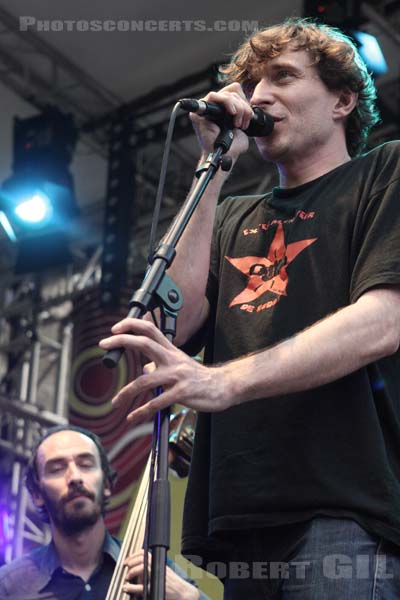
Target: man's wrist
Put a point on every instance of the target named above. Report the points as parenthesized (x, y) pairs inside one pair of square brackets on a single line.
[(194, 594), (238, 386), (231, 386), (188, 591)]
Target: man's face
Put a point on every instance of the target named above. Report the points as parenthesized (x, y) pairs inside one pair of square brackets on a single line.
[(291, 90), (72, 486)]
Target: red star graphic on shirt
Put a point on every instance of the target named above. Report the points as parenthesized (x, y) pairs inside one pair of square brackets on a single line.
[(268, 273)]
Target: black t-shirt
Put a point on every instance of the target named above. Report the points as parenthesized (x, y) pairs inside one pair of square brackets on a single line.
[(281, 262)]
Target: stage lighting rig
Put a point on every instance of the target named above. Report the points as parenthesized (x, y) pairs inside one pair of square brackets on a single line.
[(339, 13), (37, 202), (346, 14)]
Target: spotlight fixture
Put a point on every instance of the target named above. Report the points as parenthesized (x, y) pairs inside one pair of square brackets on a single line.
[(37, 202), (346, 14)]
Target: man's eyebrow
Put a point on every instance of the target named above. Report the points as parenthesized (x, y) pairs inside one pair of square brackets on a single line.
[(61, 459), (285, 65)]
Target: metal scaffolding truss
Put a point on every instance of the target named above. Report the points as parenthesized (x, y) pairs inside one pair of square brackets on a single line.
[(42, 75), (36, 340)]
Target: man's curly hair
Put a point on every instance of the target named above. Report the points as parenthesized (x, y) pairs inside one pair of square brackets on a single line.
[(32, 477), (335, 57)]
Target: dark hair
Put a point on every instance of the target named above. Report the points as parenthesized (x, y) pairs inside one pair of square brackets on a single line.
[(335, 57), (32, 477)]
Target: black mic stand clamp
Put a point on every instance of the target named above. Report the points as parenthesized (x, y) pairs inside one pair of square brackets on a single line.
[(159, 291), (218, 159)]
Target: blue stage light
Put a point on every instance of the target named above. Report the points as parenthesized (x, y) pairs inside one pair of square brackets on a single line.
[(371, 52), (6, 225), (38, 199), (36, 210), (5, 528), (38, 217)]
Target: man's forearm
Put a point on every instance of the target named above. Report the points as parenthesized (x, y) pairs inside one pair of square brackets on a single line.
[(332, 348), (191, 264)]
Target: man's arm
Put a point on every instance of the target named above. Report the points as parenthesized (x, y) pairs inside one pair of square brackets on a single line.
[(343, 342), (191, 264), (192, 261), (347, 340)]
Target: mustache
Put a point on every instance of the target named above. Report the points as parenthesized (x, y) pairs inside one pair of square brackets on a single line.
[(77, 490)]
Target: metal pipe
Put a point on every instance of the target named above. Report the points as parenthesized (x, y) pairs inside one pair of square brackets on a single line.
[(62, 379), (45, 418), (34, 372)]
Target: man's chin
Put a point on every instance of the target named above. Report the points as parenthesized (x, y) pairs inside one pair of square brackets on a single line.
[(74, 515), (78, 503), (78, 525), (271, 153), (78, 520)]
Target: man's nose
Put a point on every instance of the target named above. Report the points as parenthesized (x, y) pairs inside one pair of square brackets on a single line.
[(73, 473), (262, 94)]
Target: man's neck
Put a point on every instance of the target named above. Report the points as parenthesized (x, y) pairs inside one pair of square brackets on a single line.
[(80, 553), (307, 168)]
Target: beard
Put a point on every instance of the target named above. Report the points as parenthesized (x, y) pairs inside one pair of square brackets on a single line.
[(72, 516)]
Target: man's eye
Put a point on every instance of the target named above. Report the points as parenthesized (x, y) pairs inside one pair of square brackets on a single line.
[(56, 469), (86, 465), (283, 74)]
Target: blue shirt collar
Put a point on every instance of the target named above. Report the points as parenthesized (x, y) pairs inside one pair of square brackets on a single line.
[(48, 561)]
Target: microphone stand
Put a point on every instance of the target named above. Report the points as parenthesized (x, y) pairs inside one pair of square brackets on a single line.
[(158, 290)]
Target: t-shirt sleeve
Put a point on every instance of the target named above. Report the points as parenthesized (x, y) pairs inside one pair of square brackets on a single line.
[(375, 248)]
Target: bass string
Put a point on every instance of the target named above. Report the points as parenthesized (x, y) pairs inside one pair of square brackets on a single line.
[(184, 424), (130, 545), (133, 539)]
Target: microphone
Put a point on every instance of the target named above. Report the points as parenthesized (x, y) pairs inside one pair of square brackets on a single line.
[(261, 123)]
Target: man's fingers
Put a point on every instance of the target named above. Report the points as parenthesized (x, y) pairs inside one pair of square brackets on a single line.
[(135, 564), (134, 559), (147, 339), (149, 368), (140, 415), (235, 102), (148, 410), (140, 327), (153, 350), (135, 571), (145, 383), (132, 390), (137, 559), (133, 588)]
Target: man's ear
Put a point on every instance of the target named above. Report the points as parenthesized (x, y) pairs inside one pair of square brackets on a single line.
[(37, 498), (107, 489), (345, 103)]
